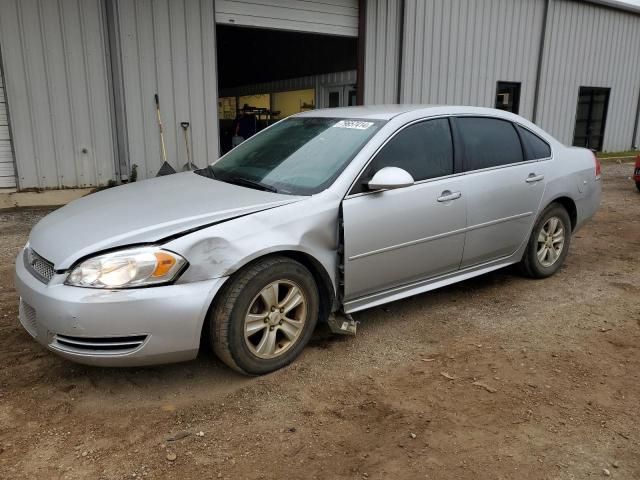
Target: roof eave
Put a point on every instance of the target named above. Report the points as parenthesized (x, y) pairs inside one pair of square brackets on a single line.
[(618, 5)]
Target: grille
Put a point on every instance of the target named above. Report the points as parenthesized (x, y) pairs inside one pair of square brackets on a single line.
[(40, 268), (27, 315), (99, 344)]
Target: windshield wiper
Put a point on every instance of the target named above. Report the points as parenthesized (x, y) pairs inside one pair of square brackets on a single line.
[(206, 172), (252, 184)]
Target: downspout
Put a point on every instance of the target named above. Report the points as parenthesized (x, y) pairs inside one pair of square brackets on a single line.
[(543, 36), (362, 32), (400, 50)]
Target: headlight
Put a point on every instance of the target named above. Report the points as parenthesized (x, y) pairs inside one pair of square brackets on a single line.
[(134, 267)]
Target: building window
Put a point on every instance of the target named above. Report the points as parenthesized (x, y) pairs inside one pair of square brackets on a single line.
[(591, 116), (508, 96)]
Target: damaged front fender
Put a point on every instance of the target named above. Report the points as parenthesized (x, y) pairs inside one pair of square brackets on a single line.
[(309, 226)]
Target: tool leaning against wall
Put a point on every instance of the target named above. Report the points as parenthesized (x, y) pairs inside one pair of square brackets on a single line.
[(189, 165), (165, 168)]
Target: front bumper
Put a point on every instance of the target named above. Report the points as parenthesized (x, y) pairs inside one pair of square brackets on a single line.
[(131, 327)]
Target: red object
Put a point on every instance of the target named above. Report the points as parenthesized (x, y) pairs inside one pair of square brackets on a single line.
[(598, 167)]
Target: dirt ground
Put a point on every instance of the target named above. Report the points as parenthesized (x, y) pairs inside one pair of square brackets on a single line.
[(557, 361)]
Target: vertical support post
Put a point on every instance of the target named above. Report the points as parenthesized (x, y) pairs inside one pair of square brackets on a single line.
[(400, 50), (362, 17), (543, 36), (634, 145), (116, 88)]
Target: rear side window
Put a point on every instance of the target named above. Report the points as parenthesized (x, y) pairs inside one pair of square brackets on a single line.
[(489, 142), (534, 147), (424, 149)]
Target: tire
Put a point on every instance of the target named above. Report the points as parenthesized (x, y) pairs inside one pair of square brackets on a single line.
[(532, 265), (246, 303), (638, 186)]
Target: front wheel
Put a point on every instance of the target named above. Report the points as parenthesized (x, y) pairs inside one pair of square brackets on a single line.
[(549, 243), (265, 316), (638, 186)]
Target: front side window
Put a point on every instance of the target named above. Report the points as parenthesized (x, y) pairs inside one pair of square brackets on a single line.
[(424, 149), (297, 156), (489, 142)]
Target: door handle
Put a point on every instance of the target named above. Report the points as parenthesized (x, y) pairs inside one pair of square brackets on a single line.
[(447, 196), (533, 178)]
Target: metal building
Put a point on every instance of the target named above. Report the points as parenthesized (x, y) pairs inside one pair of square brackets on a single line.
[(78, 77)]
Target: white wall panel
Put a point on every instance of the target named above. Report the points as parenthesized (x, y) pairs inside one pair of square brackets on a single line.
[(333, 17), (589, 45), (56, 73), (383, 19), (7, 168), (455, 51), (168, 47)]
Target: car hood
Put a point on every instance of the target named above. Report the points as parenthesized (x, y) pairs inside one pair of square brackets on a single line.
[(143, 212)]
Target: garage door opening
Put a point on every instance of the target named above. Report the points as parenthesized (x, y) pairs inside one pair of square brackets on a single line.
[(265, 75)]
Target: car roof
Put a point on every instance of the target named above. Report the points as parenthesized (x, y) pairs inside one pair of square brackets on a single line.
[(387, 112)]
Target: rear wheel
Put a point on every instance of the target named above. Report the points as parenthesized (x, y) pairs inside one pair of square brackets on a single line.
[(265, 316), (638, 186), (549, 243)]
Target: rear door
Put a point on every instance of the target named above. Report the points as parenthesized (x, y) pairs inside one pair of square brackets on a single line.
[(395, 237), (504, 184)]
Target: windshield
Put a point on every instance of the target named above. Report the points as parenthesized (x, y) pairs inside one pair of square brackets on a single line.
[(298, 156)]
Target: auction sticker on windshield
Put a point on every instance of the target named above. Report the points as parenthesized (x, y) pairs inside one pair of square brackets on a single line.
[(355, 124)]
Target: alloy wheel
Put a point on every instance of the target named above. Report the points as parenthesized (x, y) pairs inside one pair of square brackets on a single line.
[(275, 319), (550, 241)]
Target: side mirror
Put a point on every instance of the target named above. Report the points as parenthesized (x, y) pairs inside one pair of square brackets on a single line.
[(389, 178)]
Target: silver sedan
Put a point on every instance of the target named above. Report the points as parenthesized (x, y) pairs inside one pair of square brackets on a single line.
[(321, 215)]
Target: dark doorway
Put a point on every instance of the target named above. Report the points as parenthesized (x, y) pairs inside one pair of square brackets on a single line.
[(508, 96), (262, 72), (254, 55), (591, 116)]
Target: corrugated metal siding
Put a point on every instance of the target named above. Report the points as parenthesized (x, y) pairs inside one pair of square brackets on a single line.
[(7, 169), (168, 47), (382, 46), (454, 51), (588, 45), (318, 82), (57, 84), (334, 17)]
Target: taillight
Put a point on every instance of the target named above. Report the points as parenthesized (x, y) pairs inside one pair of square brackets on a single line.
[(598, 167)]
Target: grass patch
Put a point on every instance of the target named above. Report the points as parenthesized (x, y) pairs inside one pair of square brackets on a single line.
[(625, 154)]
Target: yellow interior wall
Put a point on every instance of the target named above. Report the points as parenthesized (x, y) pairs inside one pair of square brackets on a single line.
[(257, 101), (227, 108), (291, 102)]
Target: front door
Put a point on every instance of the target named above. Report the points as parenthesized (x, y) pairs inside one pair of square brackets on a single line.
[(591, 116), (396, 237)]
